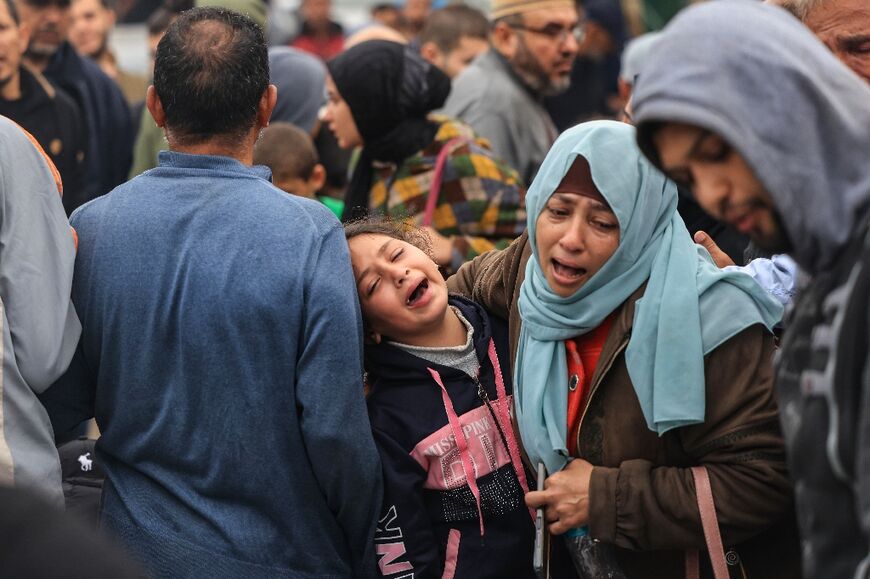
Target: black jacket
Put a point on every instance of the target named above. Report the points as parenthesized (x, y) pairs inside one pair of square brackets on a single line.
[(107, 117), (430, 517), (41, 541), (57, 124), (823, 381)]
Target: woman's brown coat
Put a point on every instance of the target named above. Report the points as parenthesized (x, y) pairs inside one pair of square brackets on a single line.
[(642, 495)]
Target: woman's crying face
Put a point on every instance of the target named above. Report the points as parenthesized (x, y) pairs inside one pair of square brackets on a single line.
[(576, 233)]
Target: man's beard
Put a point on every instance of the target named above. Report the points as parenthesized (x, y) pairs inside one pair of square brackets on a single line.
[(526, 66), (776, 242), (41, 50)]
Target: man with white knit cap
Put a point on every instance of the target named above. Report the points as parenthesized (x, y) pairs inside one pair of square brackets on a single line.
[(534, 43)]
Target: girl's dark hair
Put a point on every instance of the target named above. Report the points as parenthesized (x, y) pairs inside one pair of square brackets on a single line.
[(402, 230)]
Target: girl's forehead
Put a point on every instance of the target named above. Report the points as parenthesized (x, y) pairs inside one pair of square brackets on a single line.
[(369, 237), (370, 246), (366, 241)]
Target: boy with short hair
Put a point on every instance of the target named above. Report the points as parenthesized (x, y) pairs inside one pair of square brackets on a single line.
[(290, 153), (453, 37)]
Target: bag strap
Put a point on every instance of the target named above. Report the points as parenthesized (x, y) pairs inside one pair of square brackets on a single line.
[(438, 172), (710, 523)]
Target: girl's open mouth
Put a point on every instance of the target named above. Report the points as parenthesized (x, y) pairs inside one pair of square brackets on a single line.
[(417, 293)]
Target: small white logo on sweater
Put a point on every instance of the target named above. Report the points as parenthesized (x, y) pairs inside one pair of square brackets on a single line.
[(87, 463)]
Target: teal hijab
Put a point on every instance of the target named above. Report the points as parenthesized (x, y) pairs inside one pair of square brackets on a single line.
[(688, 309)]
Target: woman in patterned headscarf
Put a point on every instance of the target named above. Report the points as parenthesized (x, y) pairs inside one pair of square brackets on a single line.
[(380, 96)]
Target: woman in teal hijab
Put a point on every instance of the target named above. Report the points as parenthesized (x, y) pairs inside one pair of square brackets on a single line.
[(635, 359)]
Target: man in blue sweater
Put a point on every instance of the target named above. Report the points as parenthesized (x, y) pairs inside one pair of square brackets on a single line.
[(221, 343)]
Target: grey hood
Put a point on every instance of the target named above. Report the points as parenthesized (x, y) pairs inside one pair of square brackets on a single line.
[(756, 76), (301, 81)]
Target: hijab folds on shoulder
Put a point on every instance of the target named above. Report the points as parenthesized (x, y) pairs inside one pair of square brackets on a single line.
[(689, 306), (390, 90)]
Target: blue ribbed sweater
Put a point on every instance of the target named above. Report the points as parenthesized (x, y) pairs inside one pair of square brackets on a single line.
[(221, 349)]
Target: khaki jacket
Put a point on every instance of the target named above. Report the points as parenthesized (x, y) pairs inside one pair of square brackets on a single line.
[(642, 495)]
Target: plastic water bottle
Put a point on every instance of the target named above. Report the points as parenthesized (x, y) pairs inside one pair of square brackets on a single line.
[(592, 559)]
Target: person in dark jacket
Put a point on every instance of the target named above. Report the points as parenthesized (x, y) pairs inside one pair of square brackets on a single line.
[(41, 541), (439, 406), (596, 69), (794, 175), (106, 114), (47, 113), (82, 479)]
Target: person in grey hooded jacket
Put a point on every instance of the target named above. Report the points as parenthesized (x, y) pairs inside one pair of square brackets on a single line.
[(38, 323), (301, 81), (772, 134)]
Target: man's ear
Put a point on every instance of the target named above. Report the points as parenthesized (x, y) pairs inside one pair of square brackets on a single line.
[(505, 40), (155, 107), (318, 177), (266, 106), (430, 52), (23, 37)]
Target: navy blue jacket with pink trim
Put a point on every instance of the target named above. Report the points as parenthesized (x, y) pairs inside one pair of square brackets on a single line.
[(432, 518)]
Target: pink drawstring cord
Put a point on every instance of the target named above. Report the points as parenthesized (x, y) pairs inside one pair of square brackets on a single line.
[(462, 444), (507, 425)]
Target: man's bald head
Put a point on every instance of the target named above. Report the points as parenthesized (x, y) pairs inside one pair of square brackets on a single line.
[(210, 72), (843, 25), (800, 8)]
